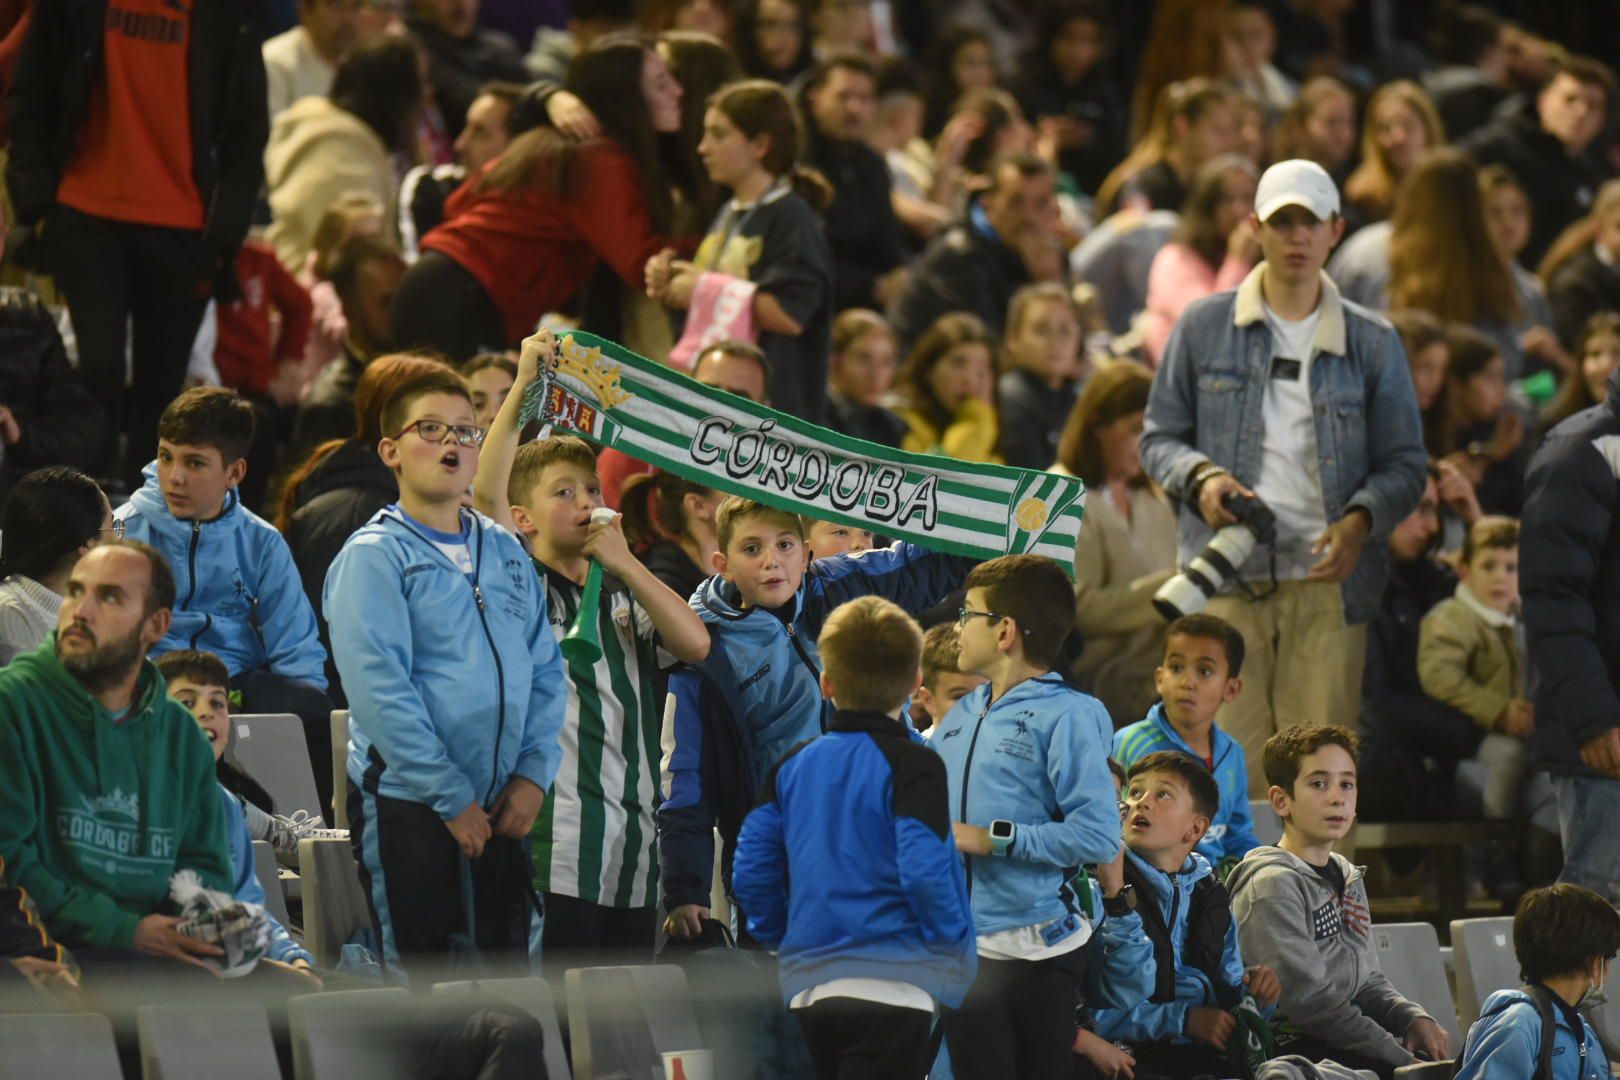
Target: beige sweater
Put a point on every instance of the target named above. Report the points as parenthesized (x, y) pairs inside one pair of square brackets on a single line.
[(1118, 565), (1469, 658), (318, 153)]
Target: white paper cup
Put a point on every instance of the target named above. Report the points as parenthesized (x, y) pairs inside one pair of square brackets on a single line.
[(689, 1065)]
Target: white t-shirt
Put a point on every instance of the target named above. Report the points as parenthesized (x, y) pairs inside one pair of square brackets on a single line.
[(1037, 941), (1290, 481), (899, 995)]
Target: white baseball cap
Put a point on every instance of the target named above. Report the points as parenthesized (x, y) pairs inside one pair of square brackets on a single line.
[(1296, 182)]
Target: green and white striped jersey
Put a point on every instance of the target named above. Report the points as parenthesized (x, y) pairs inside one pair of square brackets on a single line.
[(596, 837)]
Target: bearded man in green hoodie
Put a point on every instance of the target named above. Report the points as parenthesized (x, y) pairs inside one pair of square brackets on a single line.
[(106, 785)]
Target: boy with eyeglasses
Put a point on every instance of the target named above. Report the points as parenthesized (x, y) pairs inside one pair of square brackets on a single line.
[(456, 695), (1026, 757)]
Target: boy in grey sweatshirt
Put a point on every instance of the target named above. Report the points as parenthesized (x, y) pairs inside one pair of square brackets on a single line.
[(1301, 910)]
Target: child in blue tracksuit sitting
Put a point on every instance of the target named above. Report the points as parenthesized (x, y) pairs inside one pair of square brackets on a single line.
[(1186, 1027), (239, 594), (200, 682), (456, 694), (757, 694), (1031, 802), (1565, 937), (1203, 657), (847, 867)]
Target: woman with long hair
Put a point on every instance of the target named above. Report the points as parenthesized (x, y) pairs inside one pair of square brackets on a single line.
[(1428, 358), (342, 483), (1402, 125), (1128, 547), (1598, 352), (1213, 248), (1184, 42), (1437, 254), (1479, 432), (1580, 268), (1319, 126), (1193, 123), (768, 234), (947, 390), (772, 38), (1064, 82), (669, 522), (523, 236), (347, 143), (51, 517)]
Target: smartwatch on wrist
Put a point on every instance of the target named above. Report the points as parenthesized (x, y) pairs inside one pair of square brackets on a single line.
[(1001, 836), (1121, 903)]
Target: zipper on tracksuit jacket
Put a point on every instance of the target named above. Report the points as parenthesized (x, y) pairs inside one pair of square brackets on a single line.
[(815, 672), (500, 669), (967, 772), (191, 590)]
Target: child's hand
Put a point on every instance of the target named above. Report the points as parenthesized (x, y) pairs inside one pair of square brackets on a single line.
[(1111, 875), (685, 923), (1212, 1026), (1519, 719), (606, 544), (970, 839), (297, 967), (1109, 1060), (1428, 1040), (516, 808), (471, 830), (1263, 984), (539, 348), (657, 273)]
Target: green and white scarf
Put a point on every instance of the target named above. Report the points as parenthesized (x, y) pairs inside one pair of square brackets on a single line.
[(611, 396)]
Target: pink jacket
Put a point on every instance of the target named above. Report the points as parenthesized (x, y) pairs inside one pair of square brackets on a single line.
[(1178, 277)]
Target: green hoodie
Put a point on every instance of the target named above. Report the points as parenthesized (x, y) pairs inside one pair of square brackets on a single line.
[(96, 814)]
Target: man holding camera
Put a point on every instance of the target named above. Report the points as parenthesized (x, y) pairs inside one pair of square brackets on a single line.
[(1284, 422)]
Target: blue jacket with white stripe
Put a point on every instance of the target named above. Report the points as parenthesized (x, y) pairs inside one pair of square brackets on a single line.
[(1231, 834), (759, 689), (848, 867)]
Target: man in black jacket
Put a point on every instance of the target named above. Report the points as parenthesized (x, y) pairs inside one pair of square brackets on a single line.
[(1006, 240), (1545, 145), (867, 242), (137, 139), (1569, 567)]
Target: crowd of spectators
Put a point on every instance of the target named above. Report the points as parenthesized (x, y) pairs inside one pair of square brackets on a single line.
[(1347, 266)]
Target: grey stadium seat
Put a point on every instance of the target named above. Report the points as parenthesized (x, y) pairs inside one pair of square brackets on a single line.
[(271, 748), (204, 1042), (1483, 954), (1409, 954), (77, 1045), (351, 1035)]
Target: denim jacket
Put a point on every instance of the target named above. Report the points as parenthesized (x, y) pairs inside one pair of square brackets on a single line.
[(1206, 406)]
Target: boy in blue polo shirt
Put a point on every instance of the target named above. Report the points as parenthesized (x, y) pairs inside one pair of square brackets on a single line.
[(848, 867), (1203, 656)]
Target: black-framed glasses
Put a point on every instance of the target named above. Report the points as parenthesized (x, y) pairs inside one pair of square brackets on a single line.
[(437, 431), (963, 614)]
